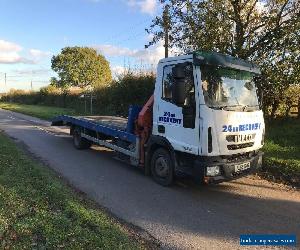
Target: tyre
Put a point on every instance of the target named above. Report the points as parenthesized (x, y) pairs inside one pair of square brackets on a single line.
[(78, 141), (162, 167)]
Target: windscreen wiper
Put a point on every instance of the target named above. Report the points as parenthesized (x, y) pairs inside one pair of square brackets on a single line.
[(231, 106), (225, 106), (249, 106)]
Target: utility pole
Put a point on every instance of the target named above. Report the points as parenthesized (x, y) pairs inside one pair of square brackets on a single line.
[(31, 86), (166, 20), (5, 79)]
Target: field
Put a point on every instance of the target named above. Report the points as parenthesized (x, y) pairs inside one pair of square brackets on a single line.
[(43, 112), (39, 211)]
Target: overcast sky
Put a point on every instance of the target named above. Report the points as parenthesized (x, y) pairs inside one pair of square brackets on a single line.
[(32, 31)]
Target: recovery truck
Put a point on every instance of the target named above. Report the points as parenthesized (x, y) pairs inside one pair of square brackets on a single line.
[(203, 120)]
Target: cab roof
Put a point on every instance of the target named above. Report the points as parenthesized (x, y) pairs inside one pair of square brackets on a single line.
[(215, 59)]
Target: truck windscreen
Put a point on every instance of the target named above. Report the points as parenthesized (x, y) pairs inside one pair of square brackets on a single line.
[(230, 89)]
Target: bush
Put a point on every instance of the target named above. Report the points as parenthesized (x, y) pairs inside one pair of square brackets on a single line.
[(21, 96), (287, 105), (291, 98), (129, 89)]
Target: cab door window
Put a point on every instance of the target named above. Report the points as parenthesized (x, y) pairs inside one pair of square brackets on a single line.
[(189, 108), (167, 83)]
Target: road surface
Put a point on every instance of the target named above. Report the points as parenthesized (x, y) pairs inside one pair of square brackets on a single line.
[(182, 217)]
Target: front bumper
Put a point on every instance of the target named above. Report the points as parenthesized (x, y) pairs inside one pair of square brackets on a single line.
[(227, 168)]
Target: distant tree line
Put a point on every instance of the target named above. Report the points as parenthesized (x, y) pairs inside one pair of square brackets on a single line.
[(113, 99)]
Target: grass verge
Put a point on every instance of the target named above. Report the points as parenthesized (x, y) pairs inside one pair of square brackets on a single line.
[(282, 151), (39, 211), (43, 112)]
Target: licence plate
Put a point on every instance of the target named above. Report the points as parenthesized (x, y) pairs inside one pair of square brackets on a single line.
[(242, 166)]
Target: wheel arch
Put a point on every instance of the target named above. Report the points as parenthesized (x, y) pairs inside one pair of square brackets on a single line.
[(72, 128), (154, 143), (82, 142)]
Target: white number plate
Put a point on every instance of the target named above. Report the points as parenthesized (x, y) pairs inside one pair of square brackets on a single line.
[(242, 166)]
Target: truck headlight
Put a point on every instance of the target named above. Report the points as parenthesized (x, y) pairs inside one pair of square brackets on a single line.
[(213, 171)]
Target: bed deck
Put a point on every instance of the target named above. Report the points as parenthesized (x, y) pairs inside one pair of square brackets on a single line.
[(109, 125), (111, 121)]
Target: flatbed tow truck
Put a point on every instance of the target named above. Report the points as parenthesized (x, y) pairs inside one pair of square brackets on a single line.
[(203, 120)]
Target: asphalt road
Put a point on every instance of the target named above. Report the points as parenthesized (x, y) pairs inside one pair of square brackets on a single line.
[(182, 217)]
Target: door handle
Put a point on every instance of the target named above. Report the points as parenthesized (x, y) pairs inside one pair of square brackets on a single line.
[(161, 129)]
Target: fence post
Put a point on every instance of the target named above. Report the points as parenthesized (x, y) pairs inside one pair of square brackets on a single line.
[(91, 103), (298, 108)]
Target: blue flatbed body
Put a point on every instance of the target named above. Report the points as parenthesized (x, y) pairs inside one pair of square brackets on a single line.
[(111, 126)]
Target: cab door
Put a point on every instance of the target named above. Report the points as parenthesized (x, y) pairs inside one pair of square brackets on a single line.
[(178, 124)]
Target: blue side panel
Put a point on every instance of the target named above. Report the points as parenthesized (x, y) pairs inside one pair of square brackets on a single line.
[(111, 131)]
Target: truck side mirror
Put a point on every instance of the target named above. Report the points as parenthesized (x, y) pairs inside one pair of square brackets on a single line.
[(178, 88)]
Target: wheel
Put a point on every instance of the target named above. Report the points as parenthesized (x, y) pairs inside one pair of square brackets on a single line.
[(78, 141), (162, 167)]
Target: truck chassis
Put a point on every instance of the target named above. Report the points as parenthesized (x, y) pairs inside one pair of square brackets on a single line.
[(107, 131)]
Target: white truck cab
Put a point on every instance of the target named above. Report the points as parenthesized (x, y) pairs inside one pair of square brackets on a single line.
[(206, 111)]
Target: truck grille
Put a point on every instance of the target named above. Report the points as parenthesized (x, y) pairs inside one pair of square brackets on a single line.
[(238, 157), (239, 146)]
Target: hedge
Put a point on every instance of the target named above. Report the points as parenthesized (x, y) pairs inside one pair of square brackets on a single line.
[(109, 100)]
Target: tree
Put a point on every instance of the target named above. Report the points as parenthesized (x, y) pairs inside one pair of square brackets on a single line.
[(80, 66), (265, 31), (242, 28), (54, 82), (281, 68), (291, 98)]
